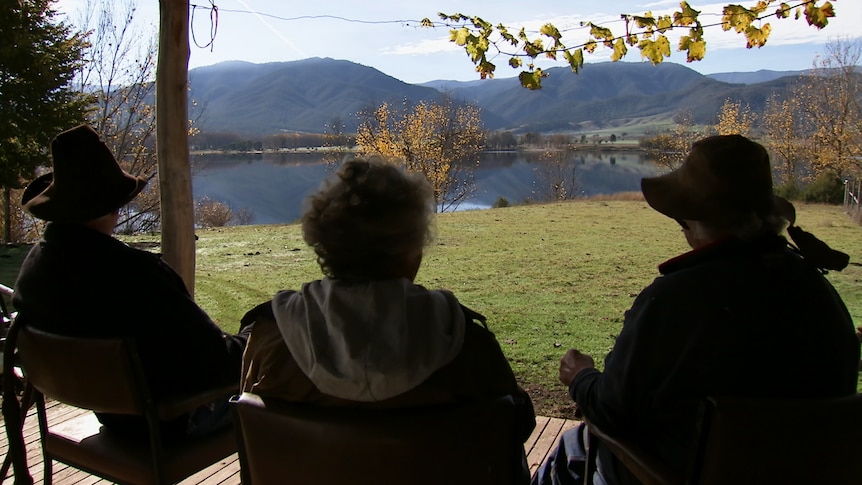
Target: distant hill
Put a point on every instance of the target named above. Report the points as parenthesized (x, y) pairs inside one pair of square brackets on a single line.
[(303, 96), (756, 77), (300, 96)]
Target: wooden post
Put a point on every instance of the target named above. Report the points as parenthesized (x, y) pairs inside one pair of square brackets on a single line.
[(175, 180)]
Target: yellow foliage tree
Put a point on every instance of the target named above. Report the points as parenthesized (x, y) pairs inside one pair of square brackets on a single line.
[(668, 150), (833, 100), (441, 140), (786, 137), (734, 118)]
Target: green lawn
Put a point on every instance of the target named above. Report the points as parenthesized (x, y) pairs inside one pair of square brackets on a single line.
[(548, 277)]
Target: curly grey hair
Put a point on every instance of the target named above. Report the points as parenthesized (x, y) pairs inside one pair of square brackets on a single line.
[(367, 218)]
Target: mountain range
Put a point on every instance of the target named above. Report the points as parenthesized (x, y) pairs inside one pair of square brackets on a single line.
[(306, 95)]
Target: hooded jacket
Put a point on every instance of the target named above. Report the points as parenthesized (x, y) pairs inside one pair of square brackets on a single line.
[(379, 344)]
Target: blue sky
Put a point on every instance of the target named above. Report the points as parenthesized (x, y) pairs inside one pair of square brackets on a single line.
[(384, 34)]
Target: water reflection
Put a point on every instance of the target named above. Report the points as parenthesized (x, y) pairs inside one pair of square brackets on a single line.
[(273, 185)]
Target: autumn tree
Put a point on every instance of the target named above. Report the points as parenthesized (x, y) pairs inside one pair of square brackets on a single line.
[(119, 70), (833, 99), (786, 129), (735, 118), (668, 150), (39, 56), (441, 140), (483, 41)]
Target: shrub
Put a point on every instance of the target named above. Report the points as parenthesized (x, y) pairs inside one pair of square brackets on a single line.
[(789, 191), (212, 213), (825, 189), (501, 202)]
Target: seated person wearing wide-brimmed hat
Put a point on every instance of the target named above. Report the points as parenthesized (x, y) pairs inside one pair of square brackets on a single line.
[(743, 314), (81, 281)]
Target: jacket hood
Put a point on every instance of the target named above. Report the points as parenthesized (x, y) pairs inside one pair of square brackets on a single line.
[(369, 341)]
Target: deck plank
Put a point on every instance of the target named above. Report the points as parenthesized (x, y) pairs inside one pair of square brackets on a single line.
[(225, 472)]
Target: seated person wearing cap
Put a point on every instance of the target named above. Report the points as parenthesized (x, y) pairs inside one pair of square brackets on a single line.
[(743, 314), (366, 335), (80, 281)]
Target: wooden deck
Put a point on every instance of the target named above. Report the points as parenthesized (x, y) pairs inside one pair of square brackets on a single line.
[(543, 439)]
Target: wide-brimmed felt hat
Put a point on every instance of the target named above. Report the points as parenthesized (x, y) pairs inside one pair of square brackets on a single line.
[(726, 177), (86, 182), (722, 177)]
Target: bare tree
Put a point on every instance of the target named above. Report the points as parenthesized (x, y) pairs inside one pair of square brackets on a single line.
[(336, 142), (213, 213), (119, 71), (556, 175)]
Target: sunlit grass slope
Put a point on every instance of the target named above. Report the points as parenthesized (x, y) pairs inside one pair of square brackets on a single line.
[(548, 277)]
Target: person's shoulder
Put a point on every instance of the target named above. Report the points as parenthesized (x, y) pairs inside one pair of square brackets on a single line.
[(473, 317), (476, 330), (261, 314)]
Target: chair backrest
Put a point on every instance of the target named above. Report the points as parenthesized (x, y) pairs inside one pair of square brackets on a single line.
[(283, 443), (98, 374), (756, 441)]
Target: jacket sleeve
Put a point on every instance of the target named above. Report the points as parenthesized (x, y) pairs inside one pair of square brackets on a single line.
[(494, 375), (613, 398), (186, 348)]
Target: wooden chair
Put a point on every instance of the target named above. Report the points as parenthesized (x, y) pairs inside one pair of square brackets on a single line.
[(282, 444), (758, 441), (105, 375)]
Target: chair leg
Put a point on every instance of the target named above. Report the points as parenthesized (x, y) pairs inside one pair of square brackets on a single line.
[(591, 443), (27, 400), (48, 473)]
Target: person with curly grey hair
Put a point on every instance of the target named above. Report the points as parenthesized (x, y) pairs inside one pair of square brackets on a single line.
[(370, 221), (365, 335)]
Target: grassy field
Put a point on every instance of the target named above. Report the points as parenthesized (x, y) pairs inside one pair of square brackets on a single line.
[(548, 277)]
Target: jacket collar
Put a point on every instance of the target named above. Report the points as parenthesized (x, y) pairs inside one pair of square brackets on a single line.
[(721, 249)]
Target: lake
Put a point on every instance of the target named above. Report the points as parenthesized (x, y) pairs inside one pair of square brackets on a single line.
[(272, 185)]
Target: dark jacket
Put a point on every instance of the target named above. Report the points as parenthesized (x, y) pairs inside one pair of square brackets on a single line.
[(80, 282), (731, 319), (480, 371)]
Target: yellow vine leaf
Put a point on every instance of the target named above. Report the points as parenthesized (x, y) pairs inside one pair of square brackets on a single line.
[(551, 31), (655, 50), (600, 33), (686, 15), (737, 17), (819, 16), (757, 37), (646, 21), (664, 24), (459, 36), (575, 59), (532, 79), (620, 50), (695, 48), (486, 69)]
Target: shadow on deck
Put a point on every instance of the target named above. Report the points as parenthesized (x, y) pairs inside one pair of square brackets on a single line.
[(226, 472)]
